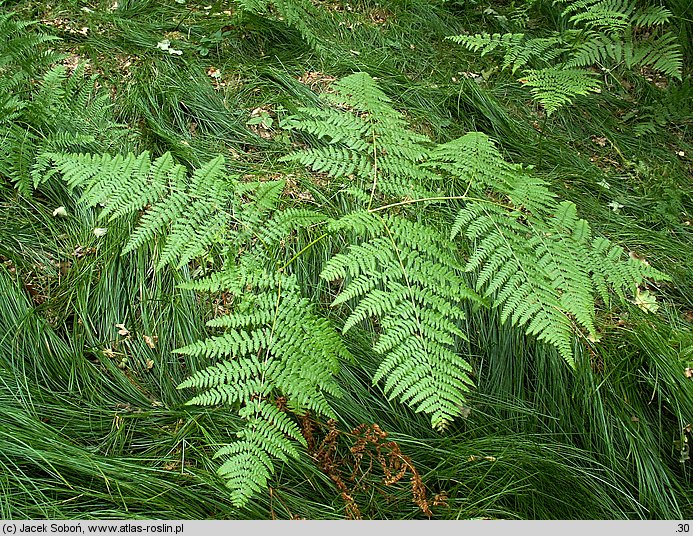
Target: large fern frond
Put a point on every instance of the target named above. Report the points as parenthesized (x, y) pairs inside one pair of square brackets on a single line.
[(22, 46), (600, 32), (544, 272), (408, 278), (661, 53), (42, 108), (274, 345)]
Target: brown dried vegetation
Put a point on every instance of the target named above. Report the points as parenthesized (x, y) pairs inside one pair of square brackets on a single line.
[(351, 460)]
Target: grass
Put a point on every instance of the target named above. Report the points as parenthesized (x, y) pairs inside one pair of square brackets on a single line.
[(92, 425)]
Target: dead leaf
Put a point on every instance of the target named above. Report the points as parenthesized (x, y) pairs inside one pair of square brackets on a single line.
[(80, 251), (633, 255), (150, 341), (122, 330), (688, 372), (316, 80), (440, 499), (150, 364)]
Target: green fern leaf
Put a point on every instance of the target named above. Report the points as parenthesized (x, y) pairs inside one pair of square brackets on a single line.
[(554, 87), (273, 342)]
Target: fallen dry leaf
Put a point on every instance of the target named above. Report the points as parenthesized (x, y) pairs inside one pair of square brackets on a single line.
[(440, 499), (122, 330), (633, 255), (150, 341), (80, 251)]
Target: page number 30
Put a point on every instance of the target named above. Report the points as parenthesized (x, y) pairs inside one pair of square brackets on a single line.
[(683, 527)]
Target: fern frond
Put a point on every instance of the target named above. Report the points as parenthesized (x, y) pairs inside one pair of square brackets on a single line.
[(599, 32), (554, 87), (544, 272), (650, 16), (661, 53), (409, 279), (284, 223), (248, 466), (192, 213), (475, 162), (246, 470), (610, 15), (55, 112), (24, 47), (273, 343), (485, 43), (539, 49), (335, 161)]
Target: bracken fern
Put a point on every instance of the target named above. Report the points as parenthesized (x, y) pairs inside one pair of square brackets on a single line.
[(600, 32), (405, 279)]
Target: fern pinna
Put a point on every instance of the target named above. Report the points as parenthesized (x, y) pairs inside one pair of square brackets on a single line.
[(407, 275), (600, 32), (371, 142), (274, 347), (503, 240)]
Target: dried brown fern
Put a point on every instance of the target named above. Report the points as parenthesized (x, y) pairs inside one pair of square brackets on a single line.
[(355, 470)]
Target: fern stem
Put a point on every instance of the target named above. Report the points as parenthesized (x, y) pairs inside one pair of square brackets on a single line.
[(375, 171), (406, 277), (442, 198), (281, 269)]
